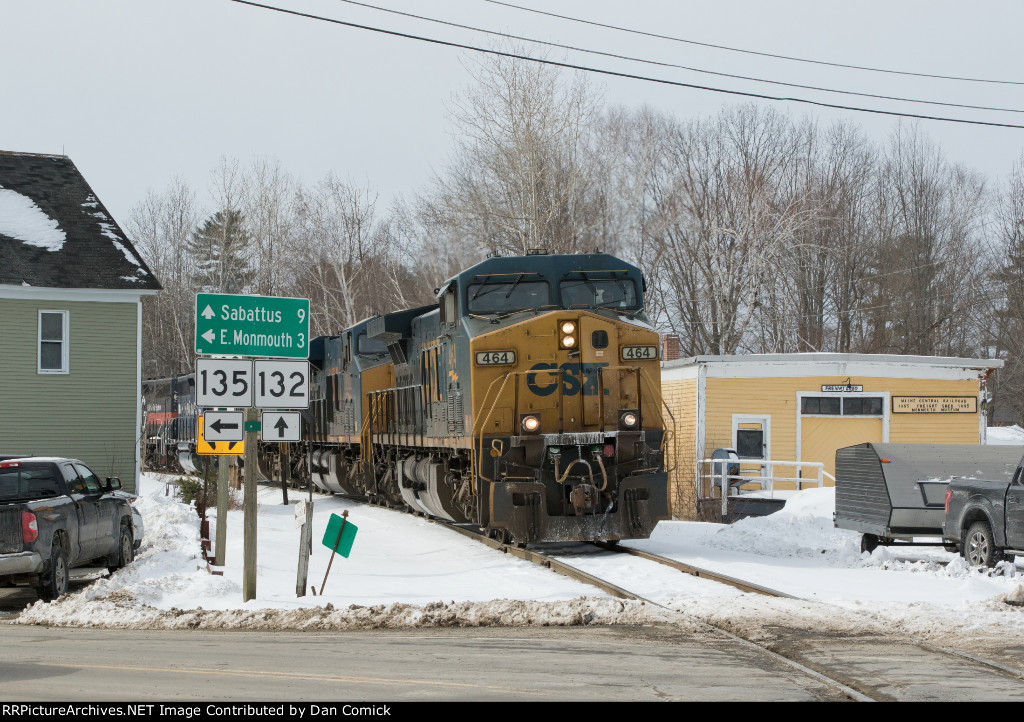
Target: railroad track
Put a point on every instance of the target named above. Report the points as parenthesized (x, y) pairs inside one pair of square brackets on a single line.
[(849, 687), (845, 685)]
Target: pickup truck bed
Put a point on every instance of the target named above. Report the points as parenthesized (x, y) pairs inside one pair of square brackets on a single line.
[(56, 514), (984, 518)]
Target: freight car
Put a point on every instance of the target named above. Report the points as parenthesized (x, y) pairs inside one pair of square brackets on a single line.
[(526, 402)]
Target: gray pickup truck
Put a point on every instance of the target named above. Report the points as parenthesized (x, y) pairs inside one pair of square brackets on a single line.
[(56, 514), (985, 518)]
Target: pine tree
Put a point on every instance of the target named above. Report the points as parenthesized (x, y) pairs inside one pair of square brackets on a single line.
[(220, 249)]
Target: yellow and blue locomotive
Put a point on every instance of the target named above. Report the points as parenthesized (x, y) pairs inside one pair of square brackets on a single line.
[(526, 402)]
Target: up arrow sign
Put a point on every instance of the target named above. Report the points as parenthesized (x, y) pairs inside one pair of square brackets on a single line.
[(287, 424), (209, 336), (208, 313)]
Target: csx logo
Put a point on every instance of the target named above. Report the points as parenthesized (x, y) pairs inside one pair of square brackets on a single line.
[(546, 383)]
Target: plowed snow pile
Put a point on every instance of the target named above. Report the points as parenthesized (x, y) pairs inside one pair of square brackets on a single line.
[(404, 572)]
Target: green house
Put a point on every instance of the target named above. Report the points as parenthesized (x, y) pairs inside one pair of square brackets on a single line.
[(71, 288)]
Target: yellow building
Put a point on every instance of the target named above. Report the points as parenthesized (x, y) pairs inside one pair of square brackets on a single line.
[(776, 410)]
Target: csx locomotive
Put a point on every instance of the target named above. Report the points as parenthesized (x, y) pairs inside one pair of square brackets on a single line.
[(526, 401)]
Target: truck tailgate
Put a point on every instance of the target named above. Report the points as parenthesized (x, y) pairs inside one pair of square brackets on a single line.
[(10, 529)]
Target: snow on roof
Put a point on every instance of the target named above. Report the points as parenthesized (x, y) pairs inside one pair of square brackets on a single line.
[(55, 233), (23, 220)]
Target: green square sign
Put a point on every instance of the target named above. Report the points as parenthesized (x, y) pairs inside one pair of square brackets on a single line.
[(348, 535)]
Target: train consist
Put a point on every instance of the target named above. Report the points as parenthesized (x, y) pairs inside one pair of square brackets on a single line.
[(526, 401)]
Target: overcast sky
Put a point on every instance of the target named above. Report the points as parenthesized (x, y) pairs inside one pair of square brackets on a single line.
[(137, 92)]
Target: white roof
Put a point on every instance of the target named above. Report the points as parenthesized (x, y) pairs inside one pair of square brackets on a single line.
[(838, 358)]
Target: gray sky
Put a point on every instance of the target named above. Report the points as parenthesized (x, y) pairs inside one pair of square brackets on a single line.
[(137, 92)]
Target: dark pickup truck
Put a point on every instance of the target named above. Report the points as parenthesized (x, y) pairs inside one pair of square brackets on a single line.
[(56, 514), (985, 518)]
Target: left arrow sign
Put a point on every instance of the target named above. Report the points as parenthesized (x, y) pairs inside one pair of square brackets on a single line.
[(209, 336)]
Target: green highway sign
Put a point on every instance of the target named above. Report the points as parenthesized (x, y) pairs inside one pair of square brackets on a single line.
[(234, 325), (348, 535)]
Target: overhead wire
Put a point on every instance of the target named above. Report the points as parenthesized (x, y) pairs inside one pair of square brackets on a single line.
[(658, 63), (629, 76), (755, 52)]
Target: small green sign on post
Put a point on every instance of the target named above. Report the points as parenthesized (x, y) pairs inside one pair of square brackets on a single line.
[(338, 538), (341, 546), (234, 325)]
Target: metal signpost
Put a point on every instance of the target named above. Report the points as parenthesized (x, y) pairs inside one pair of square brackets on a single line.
[(264, 326)]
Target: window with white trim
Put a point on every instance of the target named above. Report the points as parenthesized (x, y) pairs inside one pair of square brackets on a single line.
[(53, 342)]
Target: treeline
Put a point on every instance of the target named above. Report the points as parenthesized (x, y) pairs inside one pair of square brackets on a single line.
[(757, 232)]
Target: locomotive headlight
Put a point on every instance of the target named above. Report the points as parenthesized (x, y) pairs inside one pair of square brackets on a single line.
[(568, 341), (530, 423), (629, 420), (568, 327)]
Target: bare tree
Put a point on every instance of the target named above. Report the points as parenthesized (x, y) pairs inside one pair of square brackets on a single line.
[(718, 222), (160, 227), (519, 176), (268, 208)]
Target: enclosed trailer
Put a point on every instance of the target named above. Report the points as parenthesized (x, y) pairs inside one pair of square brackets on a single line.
[(892, 493)]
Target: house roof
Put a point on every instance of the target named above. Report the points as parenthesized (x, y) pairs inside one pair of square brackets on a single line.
[(55, 232)]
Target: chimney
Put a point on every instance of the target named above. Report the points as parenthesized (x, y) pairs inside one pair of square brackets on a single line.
[(670, 347)]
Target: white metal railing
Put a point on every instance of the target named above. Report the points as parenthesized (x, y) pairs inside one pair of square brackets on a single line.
[(716, 471)]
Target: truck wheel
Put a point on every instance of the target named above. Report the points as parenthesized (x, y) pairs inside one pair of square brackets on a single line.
[(868, 543), (979, 547), (125, 551), (54, 583)]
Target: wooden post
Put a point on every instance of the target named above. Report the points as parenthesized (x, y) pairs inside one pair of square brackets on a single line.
[(305, 542), (285, 469), (249, 510), (223, 474)]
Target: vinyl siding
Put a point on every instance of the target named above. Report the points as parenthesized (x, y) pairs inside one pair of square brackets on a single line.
[(89, 413), (681, 399)]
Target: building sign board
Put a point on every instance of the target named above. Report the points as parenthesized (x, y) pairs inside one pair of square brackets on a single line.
[(935, 404), (235, 325), (842, 388)]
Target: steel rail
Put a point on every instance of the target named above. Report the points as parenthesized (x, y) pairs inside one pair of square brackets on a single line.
[(743, 586)]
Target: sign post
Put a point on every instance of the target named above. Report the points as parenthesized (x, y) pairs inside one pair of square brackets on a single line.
[(223, 468), (264, 326), (249, 508), (303, 518)]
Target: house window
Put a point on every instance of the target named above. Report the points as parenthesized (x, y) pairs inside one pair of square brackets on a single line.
[(53, 342)]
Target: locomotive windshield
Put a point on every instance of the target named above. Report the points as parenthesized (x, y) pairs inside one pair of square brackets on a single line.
[(582, 290), (509, 294)]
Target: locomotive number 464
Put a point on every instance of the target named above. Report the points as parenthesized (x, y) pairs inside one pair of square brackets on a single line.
[(639, 352)]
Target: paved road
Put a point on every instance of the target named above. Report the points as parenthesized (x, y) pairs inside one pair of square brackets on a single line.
[(489, 664)]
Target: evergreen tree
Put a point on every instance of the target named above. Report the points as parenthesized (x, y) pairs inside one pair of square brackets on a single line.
[(220, 250)]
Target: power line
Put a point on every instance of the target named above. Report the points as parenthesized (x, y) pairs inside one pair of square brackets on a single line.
[(629, 76), (755, 52), (681, 67)]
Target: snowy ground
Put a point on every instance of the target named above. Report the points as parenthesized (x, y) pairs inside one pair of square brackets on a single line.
[(405, 572)]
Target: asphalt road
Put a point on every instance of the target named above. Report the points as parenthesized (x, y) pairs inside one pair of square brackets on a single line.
[(554, 664)]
